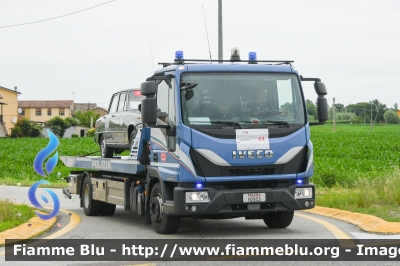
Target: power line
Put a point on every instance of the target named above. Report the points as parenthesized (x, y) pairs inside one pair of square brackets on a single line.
[(22, 24)]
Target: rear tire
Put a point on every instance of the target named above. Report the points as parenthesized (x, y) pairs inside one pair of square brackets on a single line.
[(91, 207), (162, 223), (278, 219), (106, 152), (108, 209)]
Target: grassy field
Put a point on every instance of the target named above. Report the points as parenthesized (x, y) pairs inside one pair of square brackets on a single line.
[(350, 153), (12, 215), (354, 169), (17, 156)]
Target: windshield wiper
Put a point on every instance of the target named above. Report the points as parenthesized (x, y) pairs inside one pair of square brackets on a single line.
[(228, 123), (278, 122)]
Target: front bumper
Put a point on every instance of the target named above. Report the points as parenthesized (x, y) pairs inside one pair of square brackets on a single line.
[(230, 201)]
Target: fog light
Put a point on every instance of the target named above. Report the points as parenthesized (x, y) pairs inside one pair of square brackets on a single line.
[(306, 204), (303, 193), (198, 196), (187, 208), (194, 208)]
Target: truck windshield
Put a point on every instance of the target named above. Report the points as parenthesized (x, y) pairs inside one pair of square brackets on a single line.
[(245, 98)]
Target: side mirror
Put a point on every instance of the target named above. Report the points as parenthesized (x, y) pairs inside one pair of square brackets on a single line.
[(322, 109), (148, 88), (148, 111), (320, 88), (148, 108)]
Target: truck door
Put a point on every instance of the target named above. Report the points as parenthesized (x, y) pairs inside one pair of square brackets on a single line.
[(165, 115)]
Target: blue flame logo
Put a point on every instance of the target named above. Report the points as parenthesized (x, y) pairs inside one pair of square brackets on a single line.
[(44, 153), (35, 202), (50, 165)]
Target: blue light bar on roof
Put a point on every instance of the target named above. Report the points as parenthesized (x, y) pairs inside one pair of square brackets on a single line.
[(179, 55), (252, 56)]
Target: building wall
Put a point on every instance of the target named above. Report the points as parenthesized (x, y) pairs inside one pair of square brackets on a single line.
[(30, 113), (10, 110)]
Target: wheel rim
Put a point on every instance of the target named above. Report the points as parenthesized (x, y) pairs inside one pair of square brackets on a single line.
[(156, 209), (86, 197)]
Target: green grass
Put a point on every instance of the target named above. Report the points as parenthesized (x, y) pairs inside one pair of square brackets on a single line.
[(350, 153), (17, 156), (379, 197), (13, 215)]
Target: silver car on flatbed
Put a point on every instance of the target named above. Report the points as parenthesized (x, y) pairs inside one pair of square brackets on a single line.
[(116, 130)]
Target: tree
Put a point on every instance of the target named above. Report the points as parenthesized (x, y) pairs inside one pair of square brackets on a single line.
[(36, 130), (57, 126), (311, 108), (71, 122), (378, 109), (395, 107), (339, 107), (25, 126), (84, 117), (391, 117)]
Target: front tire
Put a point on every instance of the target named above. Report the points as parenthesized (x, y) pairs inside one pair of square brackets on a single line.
[(162, 223), (278, 219), (106, 152)]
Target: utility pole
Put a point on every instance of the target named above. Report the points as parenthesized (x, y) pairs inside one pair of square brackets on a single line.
[(371, 115), (73, 95), (220, 50), (333, 114)]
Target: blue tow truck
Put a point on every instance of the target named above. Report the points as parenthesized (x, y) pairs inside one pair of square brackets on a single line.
[(217, 139)]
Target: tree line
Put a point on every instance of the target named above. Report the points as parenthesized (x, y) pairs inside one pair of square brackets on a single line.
[(57, 125), (362, 112)]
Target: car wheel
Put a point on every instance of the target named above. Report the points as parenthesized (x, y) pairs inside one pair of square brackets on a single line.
[(106, 152)]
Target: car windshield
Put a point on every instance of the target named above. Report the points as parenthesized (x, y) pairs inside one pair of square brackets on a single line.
[(134, 99), (245, 98)]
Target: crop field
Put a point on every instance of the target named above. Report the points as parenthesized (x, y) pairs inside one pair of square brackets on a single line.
[(350, 153), (342, 157), (354, 170), (17, 156)]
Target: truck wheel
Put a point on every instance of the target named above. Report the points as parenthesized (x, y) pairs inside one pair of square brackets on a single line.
[(91, 207), (162, 223), (278, 219), (106, 152), (108, 209)]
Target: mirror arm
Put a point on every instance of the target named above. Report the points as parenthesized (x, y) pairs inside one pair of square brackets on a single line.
[(309, 79), (159, 126)]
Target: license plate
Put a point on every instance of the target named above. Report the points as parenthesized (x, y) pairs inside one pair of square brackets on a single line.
[(254, 197)]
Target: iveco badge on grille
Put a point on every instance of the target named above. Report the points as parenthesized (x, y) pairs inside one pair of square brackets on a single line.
[(252, 154)]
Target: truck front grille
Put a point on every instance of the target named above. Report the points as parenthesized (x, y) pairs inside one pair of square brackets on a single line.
[(250, 170)]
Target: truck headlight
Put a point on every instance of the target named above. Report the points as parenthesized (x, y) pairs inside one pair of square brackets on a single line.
[(303, 193), (198, 196)]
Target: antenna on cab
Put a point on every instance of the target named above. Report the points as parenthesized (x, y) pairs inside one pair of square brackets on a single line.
[(207, 33)]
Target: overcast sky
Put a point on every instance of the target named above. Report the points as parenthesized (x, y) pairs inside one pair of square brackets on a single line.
[(353, 46)]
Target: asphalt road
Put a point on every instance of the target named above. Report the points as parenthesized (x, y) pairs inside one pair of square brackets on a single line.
[(126, 225)]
